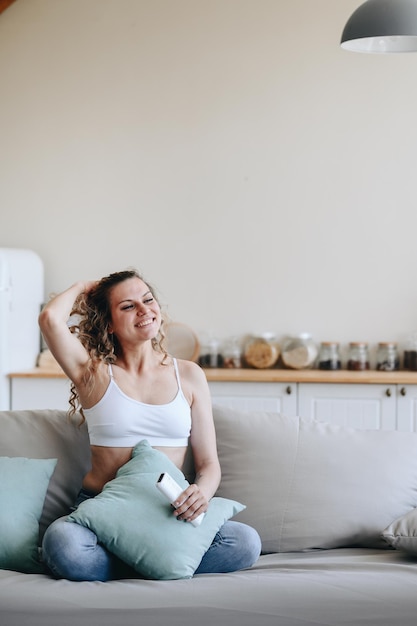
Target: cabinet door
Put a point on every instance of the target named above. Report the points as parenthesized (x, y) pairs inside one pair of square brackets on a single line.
[(274, 397), (407, 408), (360, 406), (40, 393)]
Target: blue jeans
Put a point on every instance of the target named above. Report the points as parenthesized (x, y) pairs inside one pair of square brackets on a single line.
[(72, 551)]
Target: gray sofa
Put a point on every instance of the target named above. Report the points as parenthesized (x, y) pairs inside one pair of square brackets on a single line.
[(335, 509)]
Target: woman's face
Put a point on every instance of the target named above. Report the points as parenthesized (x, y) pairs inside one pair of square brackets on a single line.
[(135, 314)]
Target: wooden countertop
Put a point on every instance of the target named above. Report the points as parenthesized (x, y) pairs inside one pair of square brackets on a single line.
[(273, 375), (312, 376), (38, 372)]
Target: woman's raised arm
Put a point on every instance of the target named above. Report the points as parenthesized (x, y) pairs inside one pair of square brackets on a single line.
[(64, 345)]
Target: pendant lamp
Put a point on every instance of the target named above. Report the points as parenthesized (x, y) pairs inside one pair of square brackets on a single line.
[(382, 26)]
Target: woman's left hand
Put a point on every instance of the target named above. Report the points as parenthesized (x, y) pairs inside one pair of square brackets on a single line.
[(190, 504)]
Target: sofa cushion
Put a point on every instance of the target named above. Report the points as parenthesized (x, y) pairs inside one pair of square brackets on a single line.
[(402, 533), (135, 521), (23, 487), (308, 484), (49, 434)]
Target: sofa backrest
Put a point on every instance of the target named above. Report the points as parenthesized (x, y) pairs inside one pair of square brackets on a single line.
[(306, 484), (49, 434), (309, 485)]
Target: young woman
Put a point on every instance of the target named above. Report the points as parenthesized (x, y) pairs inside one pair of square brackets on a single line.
[(128, 388)]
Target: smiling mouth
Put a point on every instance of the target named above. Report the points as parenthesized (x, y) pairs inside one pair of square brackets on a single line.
[(145, 323)]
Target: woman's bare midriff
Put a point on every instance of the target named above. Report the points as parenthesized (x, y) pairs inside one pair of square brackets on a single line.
[(105, 462)]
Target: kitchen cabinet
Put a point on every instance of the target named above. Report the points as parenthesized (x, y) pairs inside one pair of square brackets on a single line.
[(39, 392), (386, 407), (256, 396), (364, 406), (371, 400), (352, 405), (390, 403), (407, 408)]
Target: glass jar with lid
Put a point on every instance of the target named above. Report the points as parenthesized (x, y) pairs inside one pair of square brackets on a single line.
[(410, 353), (262, 351), (358, 357), (232, 353), (210, 352), (329, 356), (299, 351), (387, 358)]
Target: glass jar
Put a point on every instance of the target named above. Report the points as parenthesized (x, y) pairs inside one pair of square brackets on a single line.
[(358, 357), (410, 353), (232, 353), (387, 358), (329, 356), (210, 353), (262, 351), (299, 351)]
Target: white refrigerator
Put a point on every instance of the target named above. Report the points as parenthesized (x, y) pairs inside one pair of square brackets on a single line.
[(21, 298)]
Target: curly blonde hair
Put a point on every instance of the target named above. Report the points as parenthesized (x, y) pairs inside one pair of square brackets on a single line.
[(92, 311)]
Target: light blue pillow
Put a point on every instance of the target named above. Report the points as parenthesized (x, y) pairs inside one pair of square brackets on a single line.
[(23, 487), (132, 519)]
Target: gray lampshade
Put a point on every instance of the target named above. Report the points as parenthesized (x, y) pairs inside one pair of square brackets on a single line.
[(382, 26)]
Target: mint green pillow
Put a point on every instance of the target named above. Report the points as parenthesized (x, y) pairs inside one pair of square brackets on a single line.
[(23, 487), (132, 519)]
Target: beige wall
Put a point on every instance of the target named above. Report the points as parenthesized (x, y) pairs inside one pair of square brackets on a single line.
[(260, 176)]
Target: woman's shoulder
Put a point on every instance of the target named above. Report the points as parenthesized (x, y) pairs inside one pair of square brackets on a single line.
[(193, 382), (189, 370)]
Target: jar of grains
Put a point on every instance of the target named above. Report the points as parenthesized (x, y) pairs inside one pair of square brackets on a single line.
[(387, 358), (299, 351), (329, 356), (262, 351), (358, 357)]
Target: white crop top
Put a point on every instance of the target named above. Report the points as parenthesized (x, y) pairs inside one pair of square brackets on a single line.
[(119, 421)]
